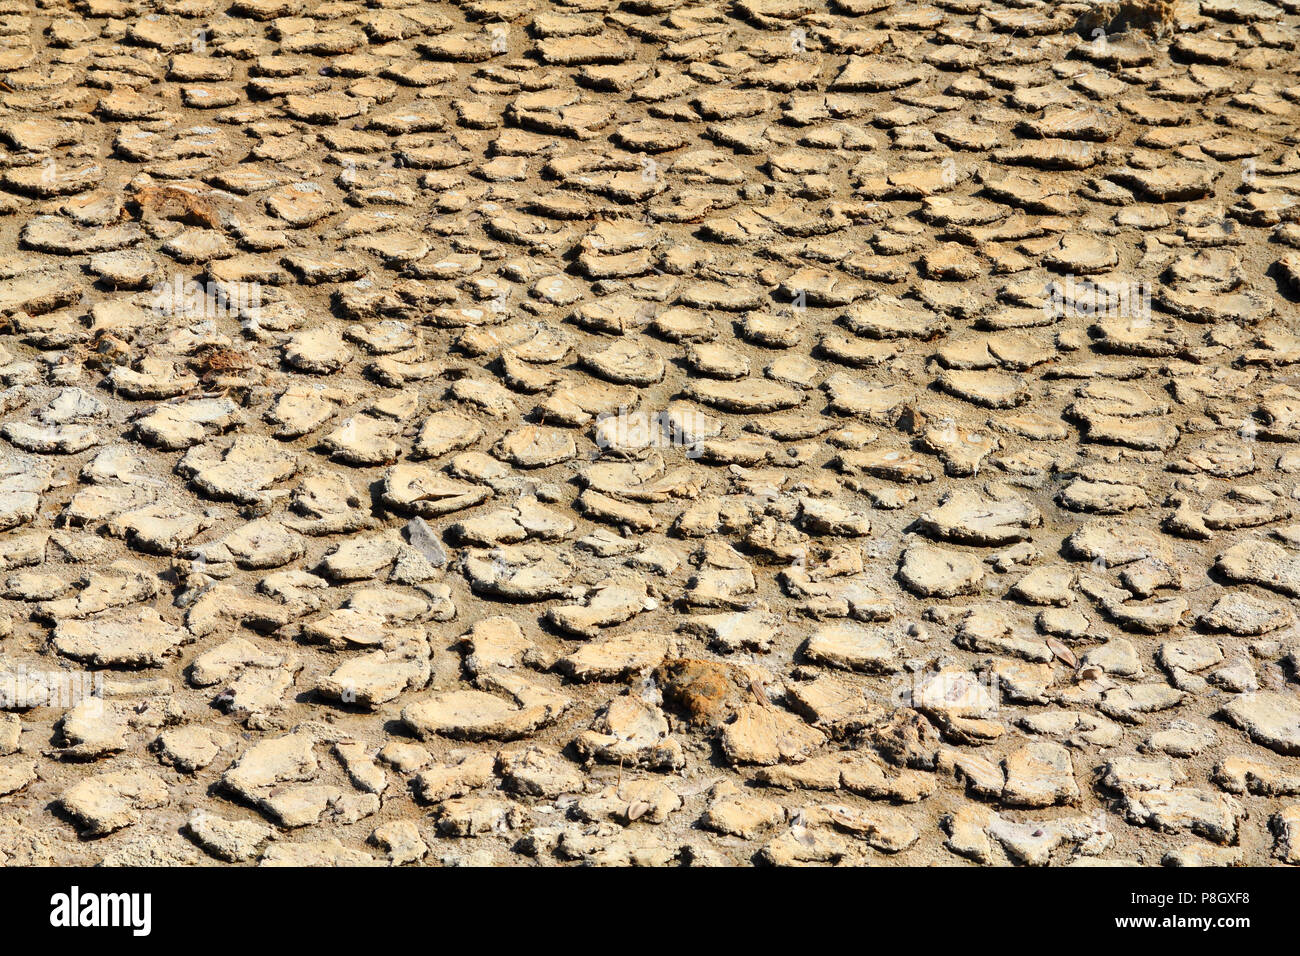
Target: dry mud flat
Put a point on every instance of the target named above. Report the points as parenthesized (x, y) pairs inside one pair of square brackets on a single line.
[(649, 433)]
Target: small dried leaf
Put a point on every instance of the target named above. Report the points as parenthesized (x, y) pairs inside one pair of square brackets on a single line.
[(637, 809), (1063, 653)]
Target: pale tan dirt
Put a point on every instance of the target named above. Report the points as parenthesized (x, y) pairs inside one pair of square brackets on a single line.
[(802, 254)]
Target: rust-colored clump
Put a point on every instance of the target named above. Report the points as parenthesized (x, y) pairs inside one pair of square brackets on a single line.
[(174, 203), (702, 690), (218, 358), (222, 368)]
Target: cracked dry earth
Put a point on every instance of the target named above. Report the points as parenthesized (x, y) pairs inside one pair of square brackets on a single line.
[(649, 432)]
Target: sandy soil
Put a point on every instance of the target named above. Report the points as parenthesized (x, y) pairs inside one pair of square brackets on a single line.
[(649, 433)]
